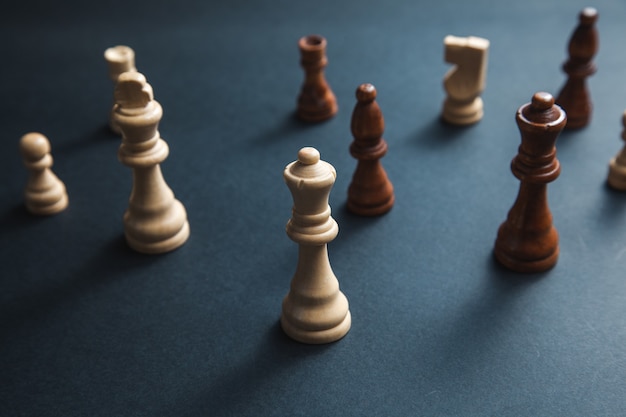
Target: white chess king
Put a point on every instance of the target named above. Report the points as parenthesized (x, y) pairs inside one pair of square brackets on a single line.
[(155, 221)]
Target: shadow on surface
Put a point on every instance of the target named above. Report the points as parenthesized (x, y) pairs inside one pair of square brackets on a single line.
[(438, 134), (62, 288), (275, 355)]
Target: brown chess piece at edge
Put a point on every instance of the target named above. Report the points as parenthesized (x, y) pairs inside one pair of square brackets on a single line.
[(574, 97), (528, 241), (316, 101), (155, 221), (315, 310), (45, 193), (370, 193)]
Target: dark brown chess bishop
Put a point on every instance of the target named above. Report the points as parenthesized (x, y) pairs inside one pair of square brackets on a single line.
[(528, 241), (574, 97), (370, 193)]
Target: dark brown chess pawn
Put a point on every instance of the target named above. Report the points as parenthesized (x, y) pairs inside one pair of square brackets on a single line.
[(316, 101), (527, 241), (574, 97), (370, 192)]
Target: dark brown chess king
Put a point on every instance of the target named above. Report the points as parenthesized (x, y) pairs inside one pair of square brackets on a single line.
[(370, 193), (316, 101), (528, 241), (574, 97)]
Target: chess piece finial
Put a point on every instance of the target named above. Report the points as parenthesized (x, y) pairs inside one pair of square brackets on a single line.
[(528, 241), (617, 165), (119, 59), (465, 81), (574, 97), (45, 193), (370, 193), (316, 101), (155, 221), (315, 310)]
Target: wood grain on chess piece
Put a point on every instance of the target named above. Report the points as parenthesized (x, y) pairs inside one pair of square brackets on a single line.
[(574, 97), (528, 241), (370, 193), (316, 101)]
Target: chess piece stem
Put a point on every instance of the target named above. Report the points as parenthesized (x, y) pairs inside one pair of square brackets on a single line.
[(574, 97), (155, 221), (316, 101), (528, 241), (315, 310), (45, 193), (370, 193)]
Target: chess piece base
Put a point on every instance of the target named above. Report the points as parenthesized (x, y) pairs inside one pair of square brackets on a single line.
[(321, 336), (529, 255), (47, 203), (320, 113), (462, 113)]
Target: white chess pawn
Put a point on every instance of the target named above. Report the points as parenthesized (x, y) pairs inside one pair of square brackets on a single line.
[(45, 193), (314, 310), (119, 59), (466, 80), (617, 166), (155, 221)]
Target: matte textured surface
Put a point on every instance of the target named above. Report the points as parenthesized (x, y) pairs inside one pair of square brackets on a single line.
[(89, 327)]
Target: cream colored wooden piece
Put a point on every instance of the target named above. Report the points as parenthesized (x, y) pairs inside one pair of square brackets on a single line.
[(465, 81), (45, 193), (155, 221), (314, 310), (120, 59), (617, 165)]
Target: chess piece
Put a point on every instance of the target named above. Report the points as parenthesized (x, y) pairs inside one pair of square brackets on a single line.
[(617, 166), (574, 97), (527, 241), (120, 59), (314, 310), (370, 193), (45, 193), (155, 221), (316, 101), (465, 81)]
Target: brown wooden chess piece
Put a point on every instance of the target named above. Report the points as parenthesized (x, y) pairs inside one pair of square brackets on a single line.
[(370, 193), (45, 193), (574, 97), (316, 101), (528, 241), (314, 310), (617, 165), (155, 221)]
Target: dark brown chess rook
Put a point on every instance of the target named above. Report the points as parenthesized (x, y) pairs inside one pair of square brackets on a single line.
[(316, 101), (574, 97), (370, 193), (528, 241)]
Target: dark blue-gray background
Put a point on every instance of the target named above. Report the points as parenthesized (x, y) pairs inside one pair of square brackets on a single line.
[(90, 328)]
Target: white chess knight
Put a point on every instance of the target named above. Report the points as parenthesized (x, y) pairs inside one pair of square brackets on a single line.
[(465, 81)]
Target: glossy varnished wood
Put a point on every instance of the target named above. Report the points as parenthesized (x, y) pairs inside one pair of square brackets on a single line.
[(528, 241), (316, 101), (370, 193), (574, 97)]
